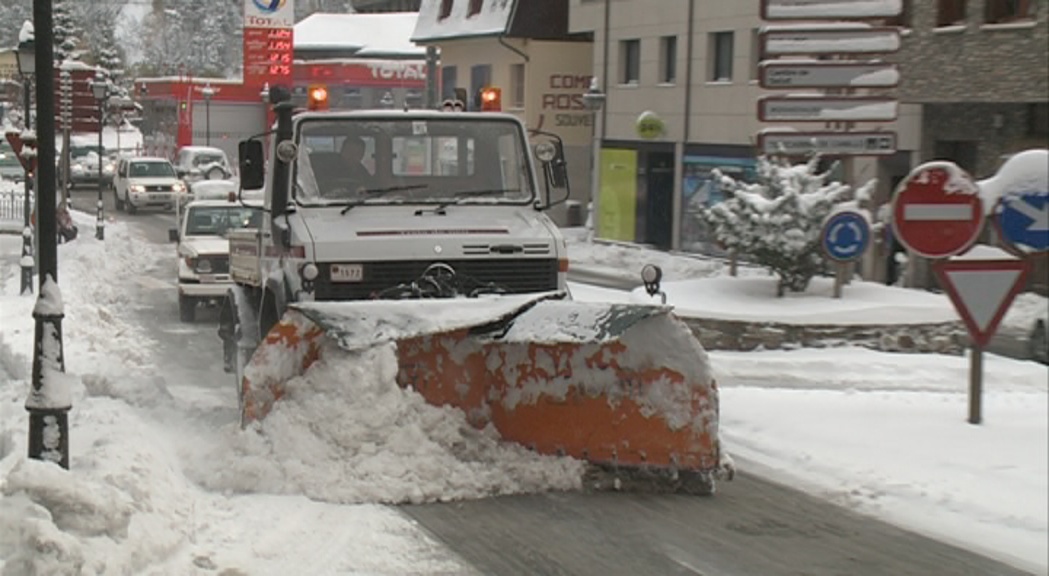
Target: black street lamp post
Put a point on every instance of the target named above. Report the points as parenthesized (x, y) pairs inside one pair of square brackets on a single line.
[(207, 91), (26, 68), (100, 89), (49, 401)]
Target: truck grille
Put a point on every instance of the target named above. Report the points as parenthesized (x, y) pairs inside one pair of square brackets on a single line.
[(517, 275), (219, 264), (158, 188)]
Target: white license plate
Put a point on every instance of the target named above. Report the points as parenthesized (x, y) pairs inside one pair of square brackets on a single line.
[(347, 272)]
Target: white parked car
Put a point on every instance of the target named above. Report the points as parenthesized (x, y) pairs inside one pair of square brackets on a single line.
[(203, 249), (147, 182), (196, 163)]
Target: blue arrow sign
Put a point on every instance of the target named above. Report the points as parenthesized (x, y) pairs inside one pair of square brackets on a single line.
[(1023, 220), (846, 236)]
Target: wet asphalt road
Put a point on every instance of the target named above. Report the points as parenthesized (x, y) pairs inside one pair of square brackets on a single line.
[(750, 527)]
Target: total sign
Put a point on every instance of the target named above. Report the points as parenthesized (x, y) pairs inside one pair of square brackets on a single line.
[(269, 13)]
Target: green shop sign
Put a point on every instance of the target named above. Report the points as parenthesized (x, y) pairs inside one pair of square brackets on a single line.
[(649, 125)]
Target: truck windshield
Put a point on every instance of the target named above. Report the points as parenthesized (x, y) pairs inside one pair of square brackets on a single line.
[(413, 160), (217, 220)]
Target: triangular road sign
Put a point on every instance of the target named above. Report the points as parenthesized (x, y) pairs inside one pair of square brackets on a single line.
[(982, 290)]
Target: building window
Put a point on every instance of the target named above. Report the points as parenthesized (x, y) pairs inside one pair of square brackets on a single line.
[(950, 12), (475, 7), (1000, 11), (629, 61), (668, 60), (446, 9), (755, 53), (480, 78), (517, 85), (449, 80), (721, 56)]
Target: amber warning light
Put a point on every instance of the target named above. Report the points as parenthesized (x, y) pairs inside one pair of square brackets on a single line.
[(491, 100), (318, 98)]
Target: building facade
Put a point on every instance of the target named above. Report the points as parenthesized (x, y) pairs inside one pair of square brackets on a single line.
[(980, 71), (386, 5), (522, 47), (681, 85)]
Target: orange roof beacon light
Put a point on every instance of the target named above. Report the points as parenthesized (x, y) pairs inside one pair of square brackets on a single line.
[(318, 97), (491, 100)]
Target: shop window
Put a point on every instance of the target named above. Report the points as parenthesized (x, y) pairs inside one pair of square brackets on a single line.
[(352, 99), (475, 7), (950, 13), (517, 85), (1001, 11), (721, 56), (629, 61), (413, 99), (668, 60), (446, 9)]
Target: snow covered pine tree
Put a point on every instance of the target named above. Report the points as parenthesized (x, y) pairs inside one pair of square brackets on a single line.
[(776, 222)]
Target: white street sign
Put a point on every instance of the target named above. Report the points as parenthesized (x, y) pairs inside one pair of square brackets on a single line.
[(829, 9), (827, 109), (787, 74), (828, 143), (781, 41)]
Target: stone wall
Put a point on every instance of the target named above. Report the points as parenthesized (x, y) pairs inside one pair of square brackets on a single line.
[(943, 338), (975, 62)]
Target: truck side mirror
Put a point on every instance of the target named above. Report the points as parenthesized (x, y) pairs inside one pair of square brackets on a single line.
[(172, 234), (252, 163), (550, 153)]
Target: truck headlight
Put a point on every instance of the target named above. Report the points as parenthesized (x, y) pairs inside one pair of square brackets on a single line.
[(309, 271), (179, 187), (137, 188)]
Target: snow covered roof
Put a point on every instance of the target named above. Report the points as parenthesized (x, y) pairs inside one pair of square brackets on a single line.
[(493, 19), (382, 34)]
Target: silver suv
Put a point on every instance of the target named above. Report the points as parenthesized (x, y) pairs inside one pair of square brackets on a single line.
[(147, 182)]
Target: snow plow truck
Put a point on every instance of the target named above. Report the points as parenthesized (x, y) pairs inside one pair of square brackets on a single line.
[(427, 230)]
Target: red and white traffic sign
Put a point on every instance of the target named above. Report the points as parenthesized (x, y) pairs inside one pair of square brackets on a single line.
[(937, 211), (982, 290)]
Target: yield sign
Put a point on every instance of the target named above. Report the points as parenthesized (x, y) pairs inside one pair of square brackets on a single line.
[(937, 211), (982, 290)]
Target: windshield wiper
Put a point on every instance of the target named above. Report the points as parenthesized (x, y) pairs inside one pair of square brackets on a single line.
[(380, 192), (467, 194)]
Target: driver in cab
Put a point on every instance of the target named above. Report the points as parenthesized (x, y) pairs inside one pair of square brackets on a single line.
[(354, 173)]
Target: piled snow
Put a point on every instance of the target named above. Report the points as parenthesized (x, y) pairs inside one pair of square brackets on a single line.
[(754, 299), (386, 34), (346, 432), (1024, 172), (493, 19)]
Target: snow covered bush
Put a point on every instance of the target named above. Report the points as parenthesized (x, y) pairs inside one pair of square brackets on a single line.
[(776, 221)]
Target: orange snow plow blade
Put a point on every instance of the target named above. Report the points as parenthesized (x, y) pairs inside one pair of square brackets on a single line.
[(626, 388)]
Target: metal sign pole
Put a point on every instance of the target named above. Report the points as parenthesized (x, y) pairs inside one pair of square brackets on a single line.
[(975, 384)]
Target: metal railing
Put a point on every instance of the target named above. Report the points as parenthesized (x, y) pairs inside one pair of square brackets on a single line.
[(12, 215)]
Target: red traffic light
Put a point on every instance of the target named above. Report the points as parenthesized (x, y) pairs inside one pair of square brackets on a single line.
[(491, 100), (318, 97)]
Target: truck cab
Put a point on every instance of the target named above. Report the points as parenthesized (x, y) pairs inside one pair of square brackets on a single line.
[(368, 204)]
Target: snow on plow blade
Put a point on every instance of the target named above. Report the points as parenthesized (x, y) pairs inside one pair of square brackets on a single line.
[(626, 388)]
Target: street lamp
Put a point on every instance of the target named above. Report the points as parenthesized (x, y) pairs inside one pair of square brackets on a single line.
[(594, 99), (207, 91), (49, 399), (100, 89), (26, 68)]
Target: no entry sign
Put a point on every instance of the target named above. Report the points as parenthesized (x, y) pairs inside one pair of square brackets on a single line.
[(937, 211)]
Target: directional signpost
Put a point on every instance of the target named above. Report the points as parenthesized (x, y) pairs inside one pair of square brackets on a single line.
[(844, 238), (832, 74), (937, 211), (981, 291), (1023, 221), (833, 47), (829, 143)]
